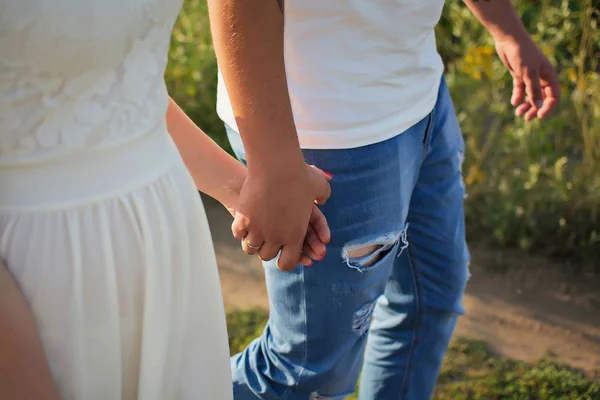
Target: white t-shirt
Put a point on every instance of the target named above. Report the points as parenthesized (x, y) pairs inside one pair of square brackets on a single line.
[(359, 71)]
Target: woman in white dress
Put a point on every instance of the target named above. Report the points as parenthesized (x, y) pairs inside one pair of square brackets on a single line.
[(101, 225)]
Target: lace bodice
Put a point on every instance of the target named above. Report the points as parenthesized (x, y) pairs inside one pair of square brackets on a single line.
[(80, 74)]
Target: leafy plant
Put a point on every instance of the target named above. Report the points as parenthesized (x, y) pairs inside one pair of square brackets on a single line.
[(243, 327), (535, 186)]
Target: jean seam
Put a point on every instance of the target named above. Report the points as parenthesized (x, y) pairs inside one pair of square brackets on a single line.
[(417, 325), (290, 391), (427, 141)]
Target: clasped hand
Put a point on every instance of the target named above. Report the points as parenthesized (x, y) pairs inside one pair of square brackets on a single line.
[(276, 214)]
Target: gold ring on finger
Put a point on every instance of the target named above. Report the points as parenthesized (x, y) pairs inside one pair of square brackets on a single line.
[(255, 248)]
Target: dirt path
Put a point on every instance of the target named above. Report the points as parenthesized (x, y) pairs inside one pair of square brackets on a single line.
[(532, 311)]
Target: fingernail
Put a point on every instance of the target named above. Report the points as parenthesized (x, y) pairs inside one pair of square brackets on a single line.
[(310, 265), (539, 103), (328, 174)]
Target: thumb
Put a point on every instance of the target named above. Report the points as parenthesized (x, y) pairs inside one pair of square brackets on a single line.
[(320, 181), (325, 174), (323, 192)]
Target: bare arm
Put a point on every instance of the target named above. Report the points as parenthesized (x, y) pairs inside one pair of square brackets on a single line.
[(24, 371), (536, 91), (499, 17), (276, 200), (248, 38), (215, 172)]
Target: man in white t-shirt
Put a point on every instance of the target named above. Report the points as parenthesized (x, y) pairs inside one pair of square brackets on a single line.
[(359, 92)]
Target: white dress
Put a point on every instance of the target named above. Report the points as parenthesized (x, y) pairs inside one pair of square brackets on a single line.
[(100, 222)]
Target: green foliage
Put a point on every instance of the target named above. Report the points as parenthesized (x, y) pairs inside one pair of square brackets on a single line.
[(243, 327), (470, 371), (535, 186)]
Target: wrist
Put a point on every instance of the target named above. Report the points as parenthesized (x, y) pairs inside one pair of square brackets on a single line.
[(230, 191), (271, 152), (276, 164), (509, 31), (278, 172), (515, 37)]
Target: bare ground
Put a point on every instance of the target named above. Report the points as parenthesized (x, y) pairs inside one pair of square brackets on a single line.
[(531, 311)]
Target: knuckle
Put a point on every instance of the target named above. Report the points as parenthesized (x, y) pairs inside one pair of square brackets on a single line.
[(286, 267), (241, 221), (237, 229), (283, 263)]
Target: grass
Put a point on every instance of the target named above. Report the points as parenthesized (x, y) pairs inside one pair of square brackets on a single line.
[(470, 372)]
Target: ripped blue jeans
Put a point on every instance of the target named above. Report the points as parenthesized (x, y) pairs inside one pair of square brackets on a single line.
[(392, 281)]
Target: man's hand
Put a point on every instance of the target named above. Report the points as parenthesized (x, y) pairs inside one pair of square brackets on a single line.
[(276, 199), (536, 90), (535, 85), (274, 209)]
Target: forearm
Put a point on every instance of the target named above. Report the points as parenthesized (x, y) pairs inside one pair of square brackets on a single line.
[(248, 38), (24, 371), (215, 172), (499, 17)]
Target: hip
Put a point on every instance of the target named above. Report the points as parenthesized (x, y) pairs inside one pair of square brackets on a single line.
[(87, 176)]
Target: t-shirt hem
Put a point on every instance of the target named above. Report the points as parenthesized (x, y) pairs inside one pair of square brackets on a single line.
[(356, 137)]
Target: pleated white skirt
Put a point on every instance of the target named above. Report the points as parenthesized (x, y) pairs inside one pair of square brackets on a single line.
[(120, 273)]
